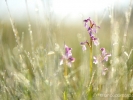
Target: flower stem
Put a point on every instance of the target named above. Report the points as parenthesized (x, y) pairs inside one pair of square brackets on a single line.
[(65, 70), (65, 95), (91, 57), (65, 75), (90, 92)]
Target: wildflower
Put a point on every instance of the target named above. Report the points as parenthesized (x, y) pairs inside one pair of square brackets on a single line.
[(85, 22), (95, 40), (67, 56), (68, 51), (105, 55), (83, 47), (91, 28), (83, 44)]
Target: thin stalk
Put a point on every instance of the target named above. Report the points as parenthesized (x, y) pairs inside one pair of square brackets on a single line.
[(90, 88), (91, 57), (65, 95), (65, 75), (65, 70), (127, 15), (29, 28), (13, 27)]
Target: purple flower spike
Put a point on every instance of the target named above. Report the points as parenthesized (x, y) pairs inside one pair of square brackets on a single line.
[(104, 57), (91, 28), (67, 56), (99, 60)]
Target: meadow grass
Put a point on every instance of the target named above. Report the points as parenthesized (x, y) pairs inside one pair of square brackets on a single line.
[(30, 55)]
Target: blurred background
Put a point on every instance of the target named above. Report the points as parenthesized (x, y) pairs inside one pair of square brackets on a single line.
[(31, 31), (59, 21)]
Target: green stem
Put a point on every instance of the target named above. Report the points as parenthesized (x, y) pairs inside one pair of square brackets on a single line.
[(91, 57), (65, 70), (65, 75), (90, 91), (65, 95)]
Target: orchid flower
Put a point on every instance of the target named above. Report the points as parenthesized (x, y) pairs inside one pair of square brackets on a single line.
[(67, 56), (92, 29), (104, 57)]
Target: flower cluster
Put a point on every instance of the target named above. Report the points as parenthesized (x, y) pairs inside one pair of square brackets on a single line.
[(103, 57), (91, 29), (67, 56)]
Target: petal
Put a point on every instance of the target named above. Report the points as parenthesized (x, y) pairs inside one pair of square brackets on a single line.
[(95, 28), (68, 54), (103, 51), (71, 59), (106, 57), (86, 20), (83, 47), (109, 55), (96, 42), (82, 43), (68, 51), (86, 25)]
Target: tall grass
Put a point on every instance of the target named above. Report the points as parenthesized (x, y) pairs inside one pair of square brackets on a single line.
[(30, 62)]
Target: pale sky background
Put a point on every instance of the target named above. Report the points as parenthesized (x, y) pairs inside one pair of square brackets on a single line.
[(59, 8)]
